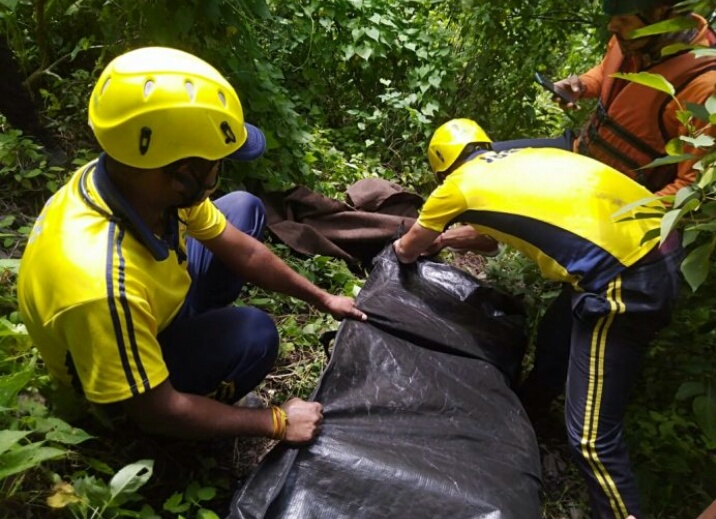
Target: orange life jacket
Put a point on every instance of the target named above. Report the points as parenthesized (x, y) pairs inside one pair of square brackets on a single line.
[(621, 131)]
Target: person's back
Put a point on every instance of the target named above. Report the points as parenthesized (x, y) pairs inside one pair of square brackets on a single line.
[(581, 222), (557, 207)]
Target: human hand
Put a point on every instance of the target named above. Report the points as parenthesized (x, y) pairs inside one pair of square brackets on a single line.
[(341, 307), (573, 87), (466, 237), (304, 420)]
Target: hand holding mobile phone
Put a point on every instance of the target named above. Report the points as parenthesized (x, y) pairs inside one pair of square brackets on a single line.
[(545, 83)]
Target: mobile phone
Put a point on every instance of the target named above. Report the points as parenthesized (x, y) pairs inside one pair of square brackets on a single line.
[(549, 86)]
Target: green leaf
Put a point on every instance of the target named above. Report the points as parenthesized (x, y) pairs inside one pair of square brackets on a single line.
[(655, 81), (671, 159), (689, 236), (698, 111), (258, 8), (373, 33), (364, 52), (702, 141), (9, 4), (704, 408), (673, 217), (696, 265), (675, 147), (175, 504), (131, 478), (11, 385), (203, 513), (707, 177), (671, 25), (700, 53), (206, 493), (26, 457), (10, 438), (674, 48), (689, 390), (67, 434), (684, 195)]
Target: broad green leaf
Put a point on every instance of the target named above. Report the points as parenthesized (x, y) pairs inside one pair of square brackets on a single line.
[(655, 81), (131, 478), (9, 4), (373, 33), (696, 265), (68, 436), (707, 177), (689, 390), (175, 503), (258, 8), (671, 159), (11, 385), (704, 408), (709, 209), (364, 52), (710, 104), (708, 226), (700, 53), (26, 457), (671, 25), (673, 217), (685, 194), (674, 48), (650, 235), (147, 512), (698, 111), (675, 147), (203, 513), (348, 52), (206, 493), (10, 438), (702, 141), (689, 236)]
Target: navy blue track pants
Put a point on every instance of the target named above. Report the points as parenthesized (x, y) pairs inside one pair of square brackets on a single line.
[(213, 348), (594, 342)]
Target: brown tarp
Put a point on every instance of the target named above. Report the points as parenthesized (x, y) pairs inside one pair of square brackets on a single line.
[(311, 223)]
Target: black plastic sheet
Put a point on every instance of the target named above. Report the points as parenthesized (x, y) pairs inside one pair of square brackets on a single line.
[(420, 420)]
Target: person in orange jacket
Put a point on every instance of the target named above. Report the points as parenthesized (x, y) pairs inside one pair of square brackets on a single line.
[(632, 123)]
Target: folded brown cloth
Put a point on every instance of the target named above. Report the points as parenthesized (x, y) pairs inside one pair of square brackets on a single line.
[(311, 223)]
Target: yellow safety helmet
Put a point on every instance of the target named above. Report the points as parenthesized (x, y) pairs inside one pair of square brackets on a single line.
[(449, 141), (155, 105)]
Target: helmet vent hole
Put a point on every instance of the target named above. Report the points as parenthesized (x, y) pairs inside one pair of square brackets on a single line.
[(148, 88), (190, 90), (222, 98)]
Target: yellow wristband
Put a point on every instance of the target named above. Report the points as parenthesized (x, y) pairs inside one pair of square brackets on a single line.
[(280, 423)]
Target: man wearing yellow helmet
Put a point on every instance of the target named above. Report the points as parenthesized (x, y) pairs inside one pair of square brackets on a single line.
[(127, 278), (560, 209), (632, 123)]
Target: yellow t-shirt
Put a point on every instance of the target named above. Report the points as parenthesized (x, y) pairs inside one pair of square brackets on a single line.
[(555, 206), (92, 294)]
